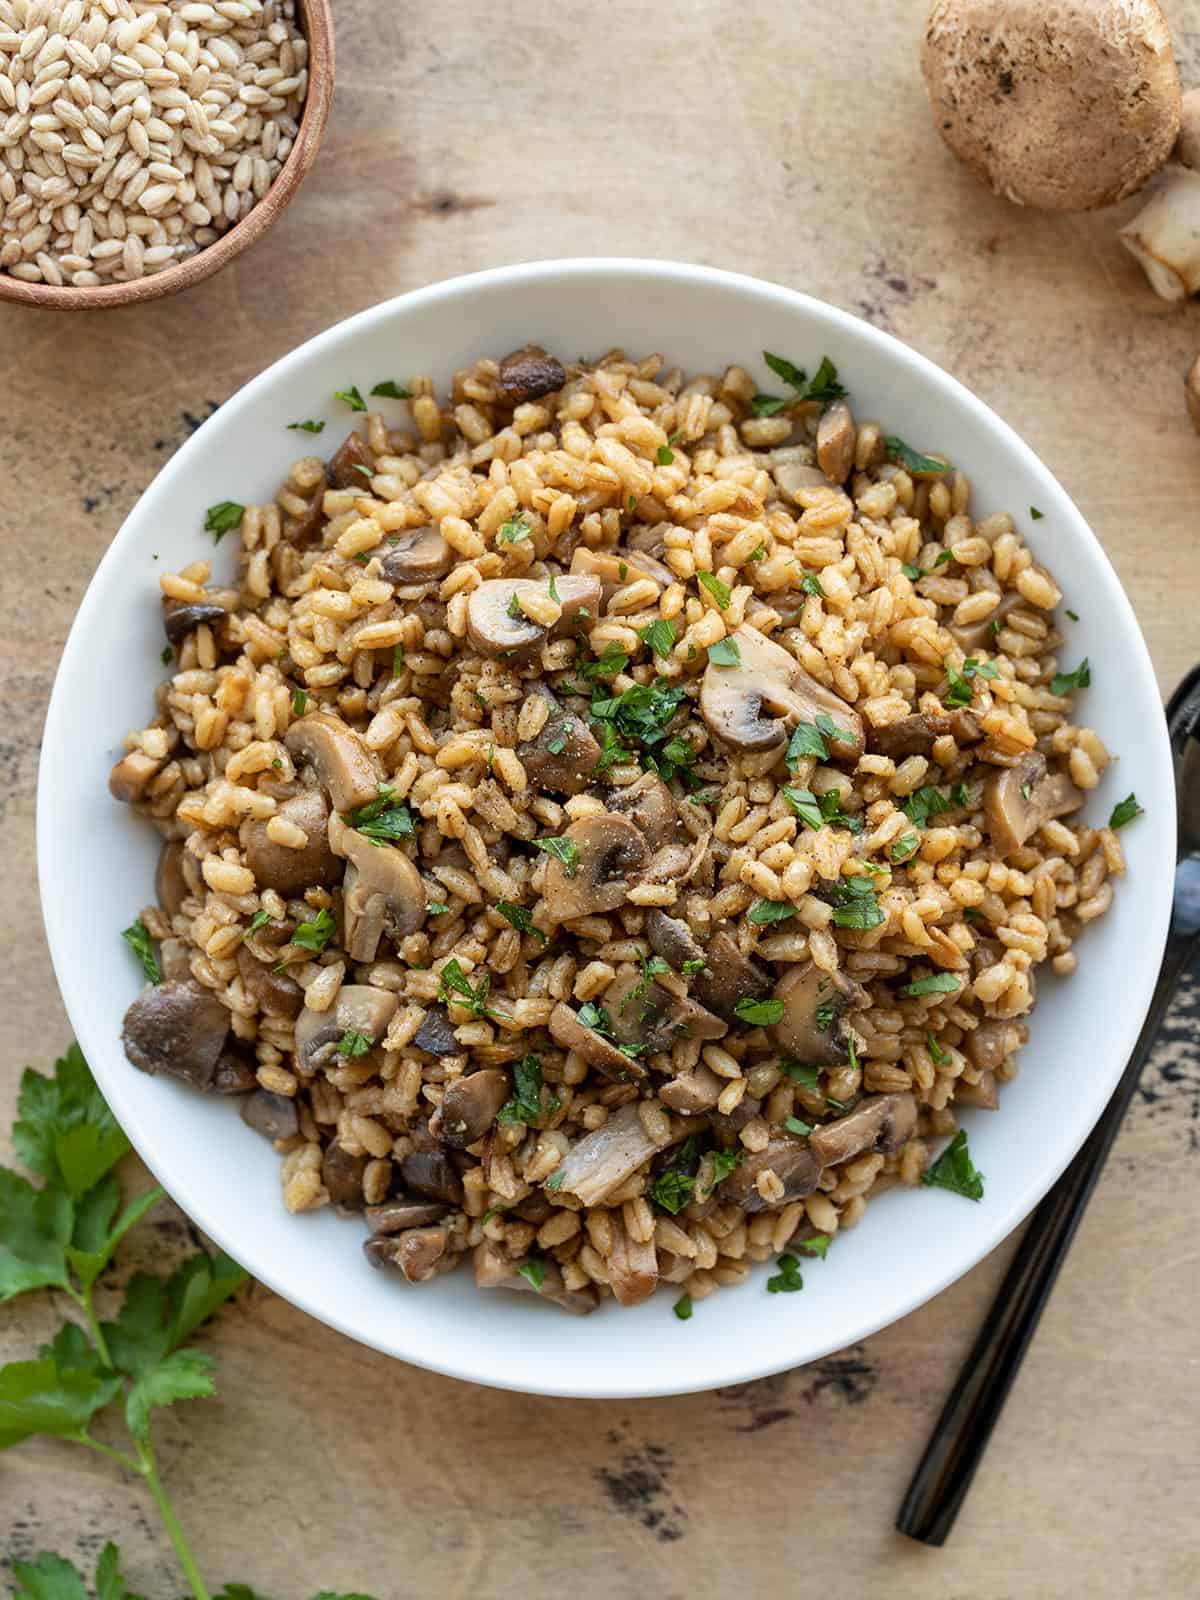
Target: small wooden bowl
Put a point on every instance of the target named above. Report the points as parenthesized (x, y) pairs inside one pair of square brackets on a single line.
[(316, 18)]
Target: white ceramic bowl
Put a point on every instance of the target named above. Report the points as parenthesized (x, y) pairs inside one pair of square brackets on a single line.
[(96, 859)]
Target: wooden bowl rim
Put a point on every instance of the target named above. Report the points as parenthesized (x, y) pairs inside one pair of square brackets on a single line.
[(316, 17)]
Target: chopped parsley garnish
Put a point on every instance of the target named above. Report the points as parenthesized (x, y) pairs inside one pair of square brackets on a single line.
[(641, 716), (807, 1077), (299, 702), (723, 1163), (391, 390), (351, 397), (1124, 811), (315, 935), (794, 1125), (960, 794), (904, 846), (454, 989), (924, 803), (672, 1189), (554, 1182), (258, 920), (352, 1043), (533, 1272), (632, 502), (357, 466), (597, 1018), (823, 385), (1074, 615), (806, 806), (1068, 682), (383, 818), (397, 661), (769, 405), (818, 1245), (911, 572), (689, 969), (612, 660), (757, 553), (525, 1102), (912, 460), (938, 983), (513, 608), (764, 912), (787, 1280), (659, 635), (725, 653), (809, 739), (168, 654), (759, 1013), (515, 529), (954, 1170), (936, 1054), (1035, 513), (436, 908), (856, 904), (664, 455), (137, 937), (220, 518), (943, 559), (795, 377), (683, 1307), (564, 851), (719, 591), (307, 427), (812, 585), (557, 743), (960, 692)]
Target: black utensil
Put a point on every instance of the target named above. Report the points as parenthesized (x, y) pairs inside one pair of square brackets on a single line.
[(956, 1446)]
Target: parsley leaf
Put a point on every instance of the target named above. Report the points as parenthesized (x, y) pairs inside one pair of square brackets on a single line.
[(562, 850), (807, 1077), (764, 912), (795, 377), (452, 983), (904, 847), (352, 1043), (65, 1131), (436, 908), (689, 969), (184, 1375), (534, 1272), (769, 405), (723, 1163), (397, 661), (664, 455), (525, 1102), (682, 1309), (954, 1170), (924, 803), (1124, 811), (759, 1013), (351, 397), (258, 920), (794, 1125), (824, 385), (519, 918), (39, 1397), (514, 530), (299, 702), (307, 427), (391, 390), (1035, 513), (937, 983), (806, 806), (138, 940), (383, 818), (787, 1280), (1067, 682), (719, 591), (936, 1054), (812, 585), (912, 460), (659, 635), (672, 1189), (35, 1227), (911, 572), (219, 519), (856, 904), (725, 653), (315, 935)]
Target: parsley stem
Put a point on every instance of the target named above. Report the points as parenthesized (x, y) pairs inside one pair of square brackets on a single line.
[(84, 1302), (148, 1468), (118, 1456)]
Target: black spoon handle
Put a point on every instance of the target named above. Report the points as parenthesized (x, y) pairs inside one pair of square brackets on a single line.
[(956, 1446)]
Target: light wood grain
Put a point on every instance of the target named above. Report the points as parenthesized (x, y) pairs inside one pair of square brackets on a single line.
[(793, 142)]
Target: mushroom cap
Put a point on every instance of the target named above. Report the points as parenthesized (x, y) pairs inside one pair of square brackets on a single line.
[(1187, 149), (563, 756), (529, 373), (494, 1270), (650, 806), (650, 1014), (360, 1008), (753, 705), (493, 632), (418, 555), (470, 1104), (727, 977), (170, 885), (567, 1030), (178, 1028), (882, 1122), (180, 620), (616, 568), (610, 852), (277, 866), (273, 1115), (1018, 800), (602, 1160), (1061, 104), (380, 881), (339, 757)]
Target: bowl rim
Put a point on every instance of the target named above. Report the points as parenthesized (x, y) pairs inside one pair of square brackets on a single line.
[(1157, 781), (317, 19)]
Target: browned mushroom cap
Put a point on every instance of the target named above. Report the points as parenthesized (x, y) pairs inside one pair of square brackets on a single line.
[(567, 1030), (632, 1265), (342, 1176), (436, 1036), (346, 460), (493, 1270), (178, 1028), (432, 1175), (180, 620), (393, 1216), (608, 855), (130, 776), (812, 1028), (692, 1092), (529, 373), (170, 886), (753, 705), (274, 992), (339, 757), (647, 1013), (290, 871), (236, 1071), (360, 1008), (882, 1122), (983, 1094), (603, 1159), (836, 439), (672, 939), (380, 883), (419, 555), (793, 476), (914, 736), (728, 977), (494, 631), (1018, 800), (563, 757), (616, 568), (419, 1253), (988, 1046), (470, 1104), (976, 635), (792, 1162), (273, 1115), (650, 806)]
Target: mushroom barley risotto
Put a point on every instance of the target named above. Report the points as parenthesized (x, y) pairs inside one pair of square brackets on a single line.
[(611, 824)]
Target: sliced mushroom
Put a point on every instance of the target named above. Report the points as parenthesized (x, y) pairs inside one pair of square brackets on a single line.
[(726, 1125), (795, 476), (881, 1122), (418, 555), (978, 635), (728, 977), (649, 1014), (470, 1104), (177, 1028), (812, 1028), (436, 1036), (563, 756), (380, 883), (1018, 800), (632, 1265), (277, 866), (753, 705), (432, 1175), (915, 735), (339, 757), (493, 1270), (129, 777), (983, 1095), (692, 1092), (360, 1008), (792, 1162), (836, 439), (672, 939), (394, 1216), (494, 630), (274, 992), (175, 959), (236, 1071), (609, 852), (650, 806), (273, 1115), (180, 620), (346, 460), (987, 1046), (342, 1176), (170, 886), (601, 1161), (529, 373), (616, 568), (419, 1253), (567, 1030)]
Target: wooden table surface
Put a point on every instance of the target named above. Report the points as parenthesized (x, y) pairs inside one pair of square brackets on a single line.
[(792, 142)]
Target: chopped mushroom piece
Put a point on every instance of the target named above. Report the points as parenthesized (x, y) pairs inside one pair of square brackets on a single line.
[(882, 1122), (393, 1216), (236, 1071), (672, 939), (495, 631), (983, 1095), (436, 1036), (493, 1270), (632, 1265), (792, 1162), (419, 1253), (130, 776), (470, 1105), (1018, 800), (563, 756), (752, 706), (813, 1027), (418, 555), (982, 634), (648, 1013), (339, 757), (432, 1175), (342, 1175), (836, 439), (304, 529), (1165, 236), (177, 1028), (273, 1115), (360, 1008), (650, 806), (180, 620), (601, 1161), (728, 977), (616, 568), (567, 1031), (280, 867), (609, 853), (170, 885), (343, 467), (793, 477), (988, 1046), (273, 992), (692, 1092), (915, 735), (529, 373)]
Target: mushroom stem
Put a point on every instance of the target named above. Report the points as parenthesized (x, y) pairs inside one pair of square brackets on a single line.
[(1165, 236)]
